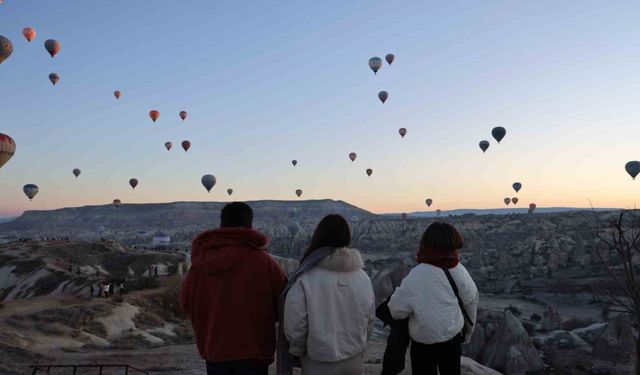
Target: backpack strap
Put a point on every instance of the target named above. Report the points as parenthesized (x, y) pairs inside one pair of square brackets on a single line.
[(457, 293)]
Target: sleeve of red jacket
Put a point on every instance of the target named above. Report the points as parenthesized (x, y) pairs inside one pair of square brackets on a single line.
[(186, 293), (278, 282)]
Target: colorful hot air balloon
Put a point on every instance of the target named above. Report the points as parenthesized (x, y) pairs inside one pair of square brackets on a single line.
[(29, 33), (507, 201), (532, 207), (375, 63), (294, 162), (54, 78), (52, 46), (168, 145), (186, 145), (117, 203), (6, 48), (429, 201), (514, 200), (183, 115), (76, 172), (389, 58), (353, 156), (208, 181), (404, 216), (438, 211), (30, 190), (484, 145), (633, 168), (498, 133), (383, 95), (299, 193), (154, 114), (7, 149), (517, 186), (229, 191), (117, 94), (402, 132), (133, 183), (369, 172)]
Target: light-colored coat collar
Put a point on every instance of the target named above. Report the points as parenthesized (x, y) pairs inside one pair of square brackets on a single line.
[(343, 259)]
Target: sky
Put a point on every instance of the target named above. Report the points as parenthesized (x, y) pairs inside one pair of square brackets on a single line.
[(266, 82)]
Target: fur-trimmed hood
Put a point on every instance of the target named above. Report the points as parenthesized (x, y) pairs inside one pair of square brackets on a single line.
[(343, 259)]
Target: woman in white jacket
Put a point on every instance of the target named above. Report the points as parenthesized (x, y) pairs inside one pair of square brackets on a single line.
[(439, 321), (330, 306)]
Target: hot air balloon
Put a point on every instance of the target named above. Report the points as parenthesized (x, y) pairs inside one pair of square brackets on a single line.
[(633, 168), (353, 156), (484, 145), (375, 63), (229, 191), (438, 211), (52, 46), (532, 207), (30, 190), (183, 115), (154, 114), (6, 48), (76, 172), (507, 201), (133, 183), (294, 162), (514, 200), (117, 94), (299, 193), (29, 33), (117, 203), (389, 58), (168, 145), (402, 132), (208, 181), (498, 133), (429, 201), (383, 95), (54, 78), (404, 216), (517, 186), (7, 149), (369, 172), (186, 145)]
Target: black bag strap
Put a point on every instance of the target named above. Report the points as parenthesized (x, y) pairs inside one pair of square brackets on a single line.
[(457, 293)]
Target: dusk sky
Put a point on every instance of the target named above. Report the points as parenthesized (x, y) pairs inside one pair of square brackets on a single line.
[(268, 82)]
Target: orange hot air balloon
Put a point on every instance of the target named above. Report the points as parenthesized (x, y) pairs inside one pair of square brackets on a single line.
[(369, 172), (514, 200), (402, 132), (52, 46), (168, 145), (154, 114), (353, 156), (383, 96), (186, 145), (7, 149), (117, 94), (6, 48), (532, 207), (117, 203), (183, 115), (54, 78), (507, 201), (299, 193), (29, 33)]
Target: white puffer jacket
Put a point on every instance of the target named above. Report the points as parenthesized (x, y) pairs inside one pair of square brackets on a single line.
[(329, 311), (426, 297)]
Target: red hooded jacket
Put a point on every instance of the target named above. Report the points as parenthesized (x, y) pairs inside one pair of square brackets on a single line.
[(231, 295)]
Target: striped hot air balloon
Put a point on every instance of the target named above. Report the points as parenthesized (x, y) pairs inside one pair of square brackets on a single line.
[(7, 149)]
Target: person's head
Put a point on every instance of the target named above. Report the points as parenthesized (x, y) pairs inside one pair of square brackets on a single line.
[(332, 231), (441, 236), (236, 214)]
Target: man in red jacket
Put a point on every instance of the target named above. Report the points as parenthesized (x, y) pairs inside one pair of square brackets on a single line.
[(231, 295)]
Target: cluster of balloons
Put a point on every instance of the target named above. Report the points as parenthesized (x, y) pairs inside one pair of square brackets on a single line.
[(498, 134)]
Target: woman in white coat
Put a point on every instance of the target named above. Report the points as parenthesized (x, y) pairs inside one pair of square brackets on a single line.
[(440, 299), (330, 306)]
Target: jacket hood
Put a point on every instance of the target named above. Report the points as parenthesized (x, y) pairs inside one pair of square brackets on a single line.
[(343, 259), (220, 250)]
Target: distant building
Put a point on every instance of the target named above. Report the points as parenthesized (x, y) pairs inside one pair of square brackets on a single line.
[(161, 239)]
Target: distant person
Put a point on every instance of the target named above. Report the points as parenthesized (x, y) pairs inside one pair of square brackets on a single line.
[(121, 289), (329, 306), (231, 295), (91, 290), (440, 299), (155, 271)]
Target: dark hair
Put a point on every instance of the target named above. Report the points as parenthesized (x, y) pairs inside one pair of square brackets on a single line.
[(236, 214), (441, 236), (332, 231)]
